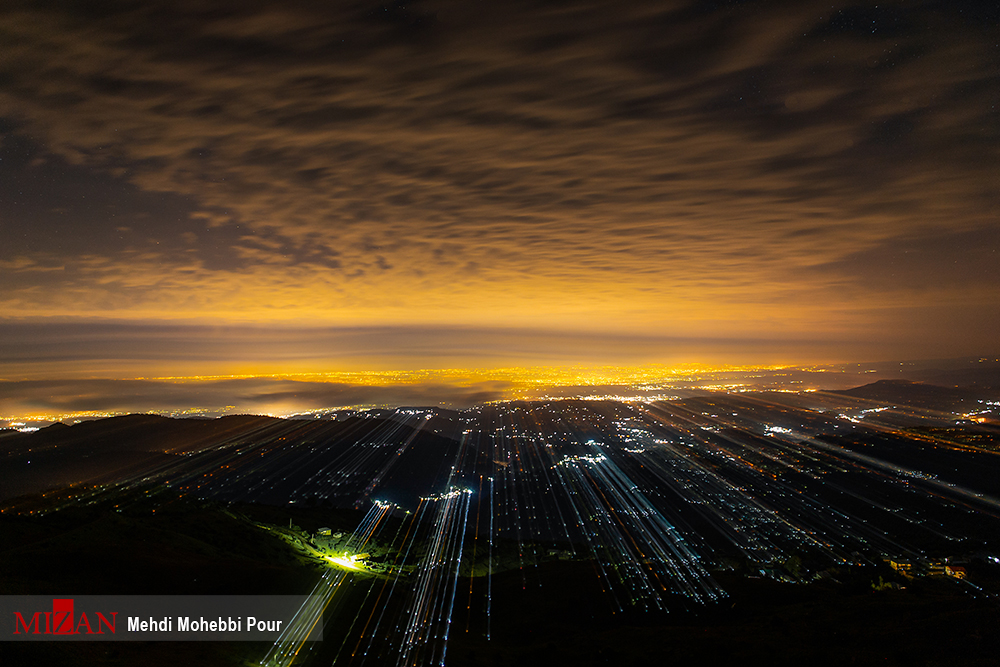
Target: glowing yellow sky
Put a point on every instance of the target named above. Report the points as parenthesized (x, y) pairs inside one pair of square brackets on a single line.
[(285, 394), (660, 182)]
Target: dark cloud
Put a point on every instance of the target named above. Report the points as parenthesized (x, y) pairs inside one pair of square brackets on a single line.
[(38, 350), (680, 166), (233, 396), (953, 262)]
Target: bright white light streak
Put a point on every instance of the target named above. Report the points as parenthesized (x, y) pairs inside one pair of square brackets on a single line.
[(291, 641), (425, 639)]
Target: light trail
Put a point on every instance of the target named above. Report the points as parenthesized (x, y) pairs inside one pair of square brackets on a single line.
[(295, 635), (653, 497), (425, 639)]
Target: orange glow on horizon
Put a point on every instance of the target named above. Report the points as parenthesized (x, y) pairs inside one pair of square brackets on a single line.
[(512, 383)]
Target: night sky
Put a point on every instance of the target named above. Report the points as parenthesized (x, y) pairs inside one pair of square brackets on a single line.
[(191, 187)]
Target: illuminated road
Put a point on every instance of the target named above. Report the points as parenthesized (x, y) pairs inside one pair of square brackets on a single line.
[(656, 496)]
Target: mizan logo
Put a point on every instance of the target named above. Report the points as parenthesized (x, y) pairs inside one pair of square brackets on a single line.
[(62, 621)]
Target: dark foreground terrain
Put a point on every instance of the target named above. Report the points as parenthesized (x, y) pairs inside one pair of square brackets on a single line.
[(551, 614), (766, 528)]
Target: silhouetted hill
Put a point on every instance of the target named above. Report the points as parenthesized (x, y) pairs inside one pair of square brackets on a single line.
[(921, 395), (151, 433), (985, 377), (101, 450), (136, 448)]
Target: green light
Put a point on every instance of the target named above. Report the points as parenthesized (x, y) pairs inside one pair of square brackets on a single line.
[(347, 562)]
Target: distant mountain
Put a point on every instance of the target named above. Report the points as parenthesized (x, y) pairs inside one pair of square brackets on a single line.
[(149, 433), (413, 452), (107, 449), (960, 372), (921, 395), (987, 377)]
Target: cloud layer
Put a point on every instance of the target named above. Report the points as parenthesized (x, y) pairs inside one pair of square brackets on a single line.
[(671, 168)]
